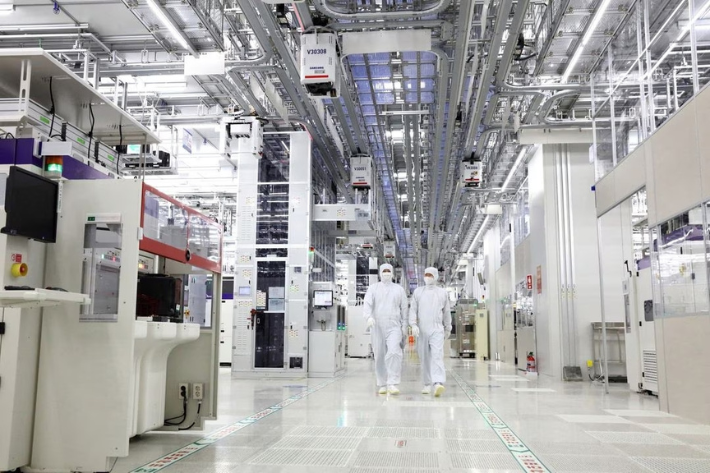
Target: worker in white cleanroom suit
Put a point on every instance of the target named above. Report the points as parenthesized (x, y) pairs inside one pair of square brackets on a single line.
[(430, 319), (386, 314)]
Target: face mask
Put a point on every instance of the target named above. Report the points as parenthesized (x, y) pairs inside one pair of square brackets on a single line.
[(386, 277), (429, 280)]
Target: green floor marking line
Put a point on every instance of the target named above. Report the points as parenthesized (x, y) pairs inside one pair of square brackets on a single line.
[(217, 435), (522, 454)]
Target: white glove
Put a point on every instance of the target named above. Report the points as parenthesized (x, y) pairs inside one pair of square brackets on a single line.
[(415, 331), (370, 322)]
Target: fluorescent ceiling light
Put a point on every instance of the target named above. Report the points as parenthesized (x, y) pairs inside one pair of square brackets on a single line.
[(478, 235), (585, 39), (163, 17), (519, 159)]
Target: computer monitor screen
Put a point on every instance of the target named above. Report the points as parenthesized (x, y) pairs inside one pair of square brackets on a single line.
[(245, 290), (31, 206), (133, 149), (323, 298)]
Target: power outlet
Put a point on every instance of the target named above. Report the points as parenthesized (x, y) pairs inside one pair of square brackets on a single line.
[(183, 391), (198, 391)]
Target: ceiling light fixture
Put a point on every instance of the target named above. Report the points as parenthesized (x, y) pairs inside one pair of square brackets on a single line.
[(167, 22), (518, 160), (585, 39), (684, 31)]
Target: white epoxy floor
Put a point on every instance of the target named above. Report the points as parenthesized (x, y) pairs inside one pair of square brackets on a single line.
[(345, 427)]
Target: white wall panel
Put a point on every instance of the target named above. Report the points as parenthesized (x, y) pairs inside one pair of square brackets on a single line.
[(702, 110), (685, 363), (631, 174), (605, 193), (676, 166)]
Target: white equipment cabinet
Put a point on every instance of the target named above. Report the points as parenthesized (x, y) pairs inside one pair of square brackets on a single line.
[(270, 320), (359, 338), (641, 361), (225, 332), (326, 337)]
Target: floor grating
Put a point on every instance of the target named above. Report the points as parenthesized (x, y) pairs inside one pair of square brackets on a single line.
[(404, 433), (469, 434), (633, 437), (434, 404), (397, 460), (317, 431), (319, 443), (674, 465), (592, 464), (668, 451), (637, 413), (391, 470), (593, 419), (293, 457), (484, 461), (680, 429), (475, 446)]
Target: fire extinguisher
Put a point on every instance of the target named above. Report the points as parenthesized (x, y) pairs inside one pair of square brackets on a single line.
[(531, 363)]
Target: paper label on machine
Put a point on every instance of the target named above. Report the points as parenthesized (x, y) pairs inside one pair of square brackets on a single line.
[(471, 174)]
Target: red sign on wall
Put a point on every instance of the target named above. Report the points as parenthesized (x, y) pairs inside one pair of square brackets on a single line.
[(529, 282)]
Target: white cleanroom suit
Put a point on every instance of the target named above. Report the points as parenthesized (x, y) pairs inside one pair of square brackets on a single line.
[(386, 312), (430, 318)]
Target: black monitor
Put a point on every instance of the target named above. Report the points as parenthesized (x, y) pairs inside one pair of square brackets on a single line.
[(322, 298), (31, 205), (158, 296)]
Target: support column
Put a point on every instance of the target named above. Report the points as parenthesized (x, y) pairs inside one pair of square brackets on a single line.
[(563, 252)]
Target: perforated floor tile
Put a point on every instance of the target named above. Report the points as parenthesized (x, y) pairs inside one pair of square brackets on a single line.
[(687, 429), (591, 419), (474, 446), (435, 404), (674, 465), (692, 439), (666, 451), (223, 454), (404, 433), (633, 437), (567, 448), (533, 390), (469, 434), (591, 464), (397, 460), (630, 427), (283, 456), (405, 423), (313, 431), (389, 470), (320, 443), (702, 448), (484, 461), (638, 413)]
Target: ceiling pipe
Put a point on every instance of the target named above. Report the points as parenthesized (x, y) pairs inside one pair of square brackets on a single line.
[(51, 36), (504, 9), (323, 7), (501, 19), (460, 56), (387, 25), (440, 102), (289, 80), (45, 27)]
